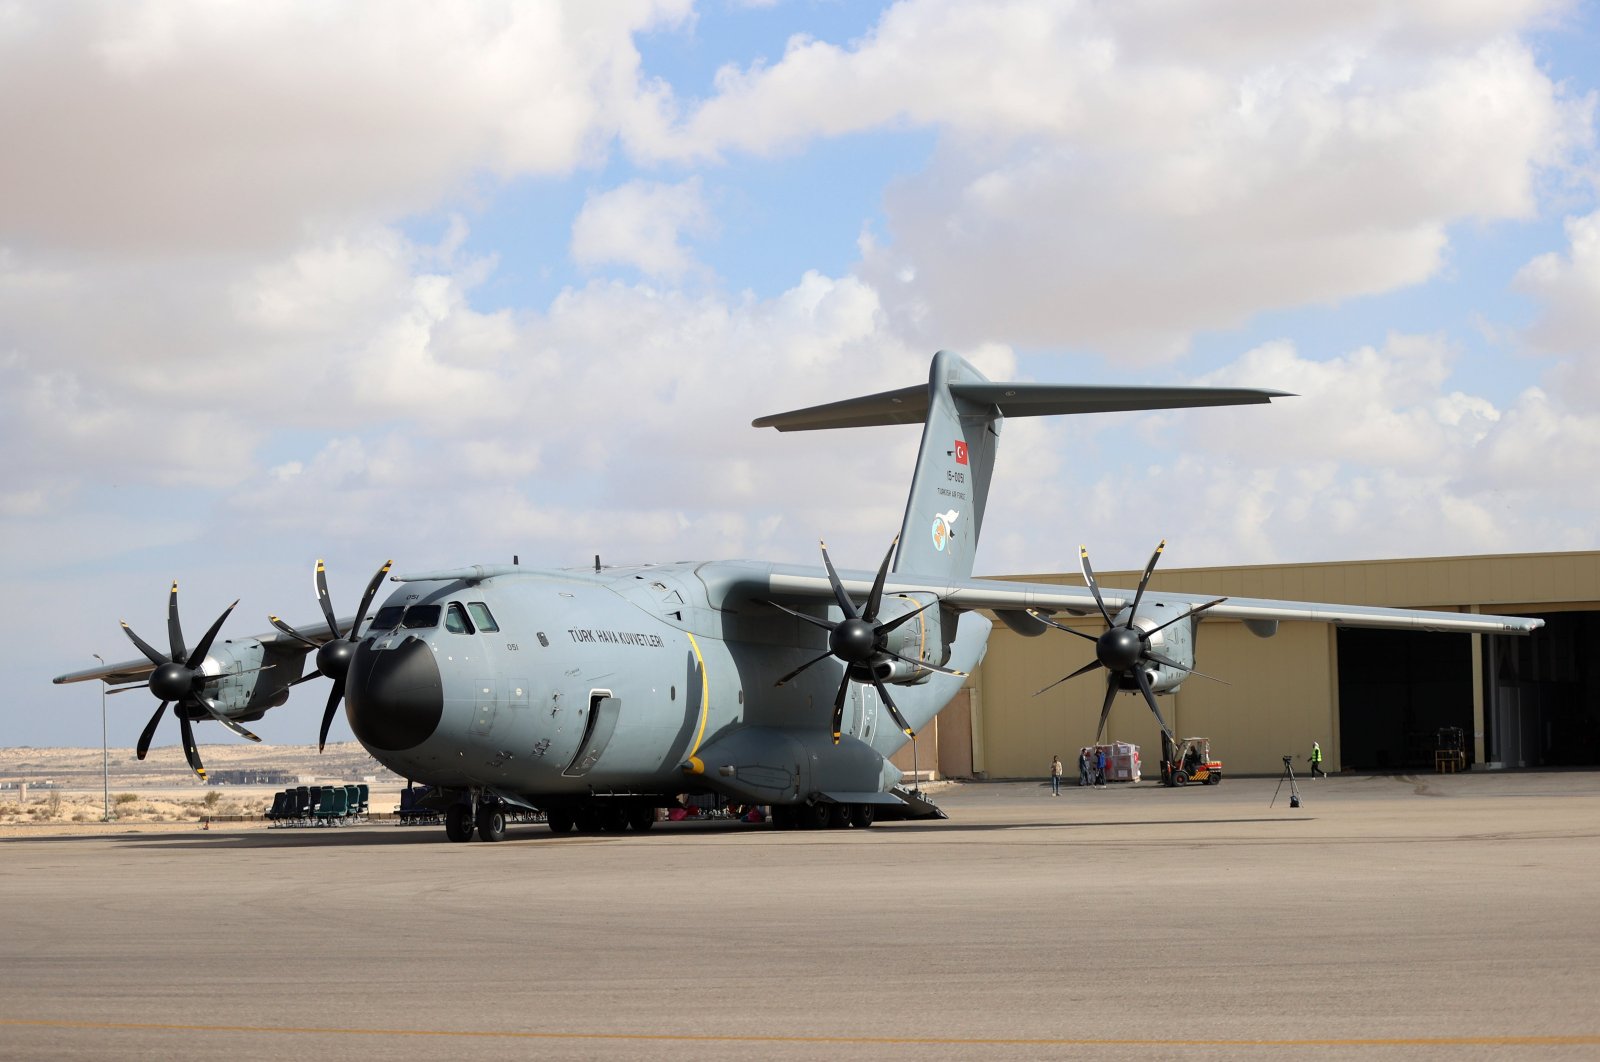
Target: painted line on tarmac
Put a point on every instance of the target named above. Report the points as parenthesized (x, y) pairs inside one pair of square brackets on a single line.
[(926, 1041)]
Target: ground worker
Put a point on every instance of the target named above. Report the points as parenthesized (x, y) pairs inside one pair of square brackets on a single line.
[(1316, 761)]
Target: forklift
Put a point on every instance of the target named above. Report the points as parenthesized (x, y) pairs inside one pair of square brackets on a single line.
[(1189, 760)]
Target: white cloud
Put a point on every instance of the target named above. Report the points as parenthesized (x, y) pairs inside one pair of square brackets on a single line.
[(193, 125), (1121, 176), (1376, 458), (641, 224), (1568, 289)]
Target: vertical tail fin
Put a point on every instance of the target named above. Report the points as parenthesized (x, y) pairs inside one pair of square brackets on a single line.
[(950, 486)]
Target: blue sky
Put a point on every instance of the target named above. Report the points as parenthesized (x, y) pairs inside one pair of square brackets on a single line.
[(448, 285)]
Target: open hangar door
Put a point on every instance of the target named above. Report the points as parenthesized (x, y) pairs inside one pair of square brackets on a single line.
[(1543, 705), (1396, 689), (1541, 695)]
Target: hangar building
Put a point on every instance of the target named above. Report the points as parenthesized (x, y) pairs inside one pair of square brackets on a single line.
[(1374, 699)]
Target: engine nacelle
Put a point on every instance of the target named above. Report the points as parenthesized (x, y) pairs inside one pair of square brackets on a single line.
[(1175, 642), (245, 677), (921, 638)]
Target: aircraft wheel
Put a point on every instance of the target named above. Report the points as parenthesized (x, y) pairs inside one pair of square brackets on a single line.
[(614, 819), (491, 823), (559, 821), (838, 816), (587, 819), (814, 816), (861, 815), (641, 817), (1180, 778), (458, 823)]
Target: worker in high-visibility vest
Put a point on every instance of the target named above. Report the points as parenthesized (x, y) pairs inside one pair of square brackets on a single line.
[(1316, 761)]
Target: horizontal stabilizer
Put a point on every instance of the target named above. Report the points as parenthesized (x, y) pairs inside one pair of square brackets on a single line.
[(909, 405)]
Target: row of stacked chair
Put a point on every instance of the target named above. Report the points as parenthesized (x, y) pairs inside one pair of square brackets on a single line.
[(410, 812), (319, 805)]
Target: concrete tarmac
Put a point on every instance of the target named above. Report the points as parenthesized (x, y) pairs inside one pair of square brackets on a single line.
[(1397, 917)]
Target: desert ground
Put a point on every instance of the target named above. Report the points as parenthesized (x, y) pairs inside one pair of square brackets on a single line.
[(64, 790)]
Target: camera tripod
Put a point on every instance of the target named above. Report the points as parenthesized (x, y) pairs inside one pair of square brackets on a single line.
[(1294, 790)]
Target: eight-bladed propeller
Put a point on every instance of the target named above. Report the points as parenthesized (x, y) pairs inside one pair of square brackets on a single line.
[(333, 655), (178, 679), (859, 640), (1124, 651)]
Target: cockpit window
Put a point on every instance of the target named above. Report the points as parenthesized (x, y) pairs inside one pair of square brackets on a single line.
[(482, 616), (419, 616), (388, 618), (455, 619)]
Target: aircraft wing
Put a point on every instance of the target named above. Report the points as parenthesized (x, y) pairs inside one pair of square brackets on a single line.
[(125, 671), (741, 585)]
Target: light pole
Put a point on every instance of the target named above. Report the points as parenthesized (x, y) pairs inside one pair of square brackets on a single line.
[(105, 746)]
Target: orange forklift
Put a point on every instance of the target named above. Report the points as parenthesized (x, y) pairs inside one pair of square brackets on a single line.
[(1189, 760)]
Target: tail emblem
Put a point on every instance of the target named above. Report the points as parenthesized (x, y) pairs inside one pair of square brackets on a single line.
[(944, 529)]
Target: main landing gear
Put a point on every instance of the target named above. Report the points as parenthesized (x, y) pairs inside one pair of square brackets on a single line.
[(596, 816), (821, 816)]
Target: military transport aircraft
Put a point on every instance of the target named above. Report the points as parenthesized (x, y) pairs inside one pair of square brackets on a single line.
[(599, 696)]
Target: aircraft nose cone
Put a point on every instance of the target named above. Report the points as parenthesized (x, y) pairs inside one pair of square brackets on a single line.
[(394, 697)]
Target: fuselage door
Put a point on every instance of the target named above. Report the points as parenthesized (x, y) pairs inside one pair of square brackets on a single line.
[(597, 730)]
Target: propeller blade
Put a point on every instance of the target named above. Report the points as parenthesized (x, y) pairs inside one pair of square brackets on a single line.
[(1105, 709), (802, 667), (304, 678), (327, 713), (125, 689), (323, 599), (371, 592), (843, 598), (216, 713), (1165, 662), (1185, 615), (145, 647), (814, 621), (876, 597), (894, 712), (1094, 587), (838, 706), (1042, 618), (191, 751), (899, 620), (198, 657), (926, 664), (174, 630), (291, 632), (1084, 670), (1150, 699), (149, 732), (1149, 570)]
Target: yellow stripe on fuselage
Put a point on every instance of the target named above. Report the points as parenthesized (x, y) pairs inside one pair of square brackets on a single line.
[(695, 766)]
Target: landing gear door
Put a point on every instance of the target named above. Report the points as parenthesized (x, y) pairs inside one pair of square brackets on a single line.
[(597, 729)]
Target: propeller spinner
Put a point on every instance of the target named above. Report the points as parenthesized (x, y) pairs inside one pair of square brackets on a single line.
[(1124, 649), (334, 654), (178, 680), (860, 641)]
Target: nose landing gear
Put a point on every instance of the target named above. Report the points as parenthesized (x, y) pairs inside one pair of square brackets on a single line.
[(485, 817)]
